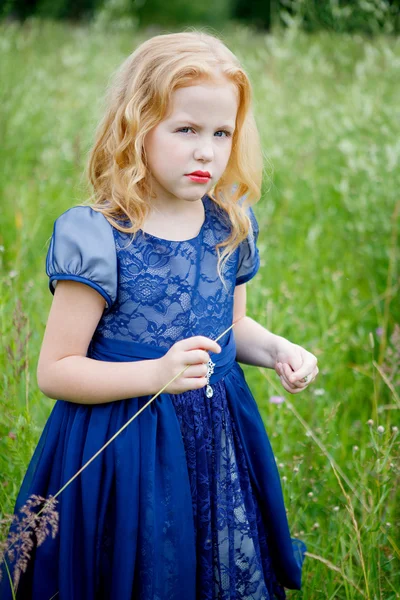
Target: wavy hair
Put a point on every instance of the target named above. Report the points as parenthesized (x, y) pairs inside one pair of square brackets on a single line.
[(137, 99)]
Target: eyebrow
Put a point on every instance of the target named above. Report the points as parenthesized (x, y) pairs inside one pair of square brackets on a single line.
[(183, 120)]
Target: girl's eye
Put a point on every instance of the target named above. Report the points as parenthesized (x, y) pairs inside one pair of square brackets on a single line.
[(228, 134)]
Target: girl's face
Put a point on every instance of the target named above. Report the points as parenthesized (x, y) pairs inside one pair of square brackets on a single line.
[(195, 136)]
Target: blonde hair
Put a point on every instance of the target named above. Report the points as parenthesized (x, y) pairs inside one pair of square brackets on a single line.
[(138, 99)]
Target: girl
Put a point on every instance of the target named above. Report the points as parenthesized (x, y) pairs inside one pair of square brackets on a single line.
[(186, 502)]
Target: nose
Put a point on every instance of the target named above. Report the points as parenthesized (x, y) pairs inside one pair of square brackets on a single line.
[(204, 151)]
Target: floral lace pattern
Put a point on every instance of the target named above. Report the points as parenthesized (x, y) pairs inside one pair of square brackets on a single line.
[(170, 290), (231, 541)]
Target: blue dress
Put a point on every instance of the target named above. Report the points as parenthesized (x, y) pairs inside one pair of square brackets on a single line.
[(186, 503)]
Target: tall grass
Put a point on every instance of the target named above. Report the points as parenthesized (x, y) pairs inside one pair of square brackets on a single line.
[(327, 107)]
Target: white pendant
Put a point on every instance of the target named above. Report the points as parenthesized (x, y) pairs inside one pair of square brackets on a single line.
[(210, 371)]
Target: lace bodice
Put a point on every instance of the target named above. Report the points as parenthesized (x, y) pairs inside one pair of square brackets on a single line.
[(157, 291)]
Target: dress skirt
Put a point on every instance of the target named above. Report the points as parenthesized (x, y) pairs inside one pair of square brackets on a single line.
[(184, 504)]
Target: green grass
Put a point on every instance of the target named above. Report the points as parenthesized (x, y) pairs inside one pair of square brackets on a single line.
[(327, 107)]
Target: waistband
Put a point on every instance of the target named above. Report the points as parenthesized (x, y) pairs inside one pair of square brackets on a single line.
[(101, 348)]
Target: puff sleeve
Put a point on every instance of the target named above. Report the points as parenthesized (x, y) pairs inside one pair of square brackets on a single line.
[(82, 248), (249, 257)]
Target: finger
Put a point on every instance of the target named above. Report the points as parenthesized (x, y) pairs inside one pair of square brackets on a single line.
[(292, 388), (311, 377), (194, 383), (288, 388), (200, 341), (315, 374), (196, 357), (279, 370), (306, 368), (284, 375), (289, 377), (198, 370), (295, 380)]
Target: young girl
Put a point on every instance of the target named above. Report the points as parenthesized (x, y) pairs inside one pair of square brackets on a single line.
[(186, 502)]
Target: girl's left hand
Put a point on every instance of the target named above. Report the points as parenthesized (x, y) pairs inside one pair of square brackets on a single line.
[(292, 364)]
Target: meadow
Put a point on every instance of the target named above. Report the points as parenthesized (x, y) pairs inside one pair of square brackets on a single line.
[(327, 107)]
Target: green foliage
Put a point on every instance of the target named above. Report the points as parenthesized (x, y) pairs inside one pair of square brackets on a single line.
[(179, 12), (51, 9), (366, 16), (326, 108), (144, 12), (65, 9)]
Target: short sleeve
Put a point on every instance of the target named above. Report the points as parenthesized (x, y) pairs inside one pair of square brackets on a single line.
[(82, 248), (249, 257)]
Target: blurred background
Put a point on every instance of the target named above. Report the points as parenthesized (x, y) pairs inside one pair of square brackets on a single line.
[(368, 16), (325, 77)]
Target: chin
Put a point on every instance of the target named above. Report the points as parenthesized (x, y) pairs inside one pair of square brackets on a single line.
[(195, 199), (193, 196)]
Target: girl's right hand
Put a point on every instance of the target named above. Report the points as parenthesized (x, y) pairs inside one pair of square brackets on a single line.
[(190, 351)]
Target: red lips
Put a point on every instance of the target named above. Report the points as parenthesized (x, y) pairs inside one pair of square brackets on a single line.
[(200, 173)]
